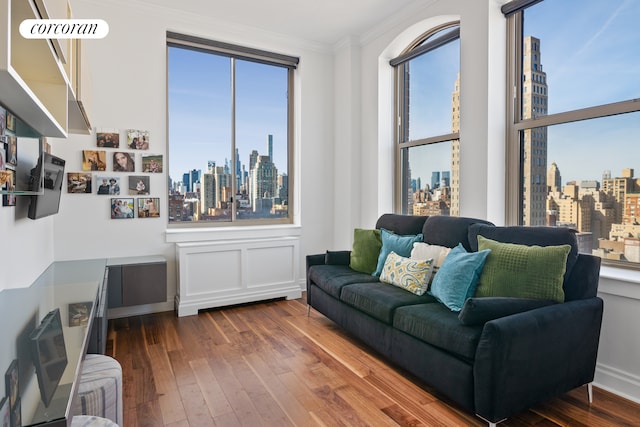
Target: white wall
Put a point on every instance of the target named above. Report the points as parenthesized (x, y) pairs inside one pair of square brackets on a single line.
[(129, 90)]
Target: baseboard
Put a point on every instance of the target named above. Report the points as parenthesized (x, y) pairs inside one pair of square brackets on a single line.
[(137, 310), (621, 383)]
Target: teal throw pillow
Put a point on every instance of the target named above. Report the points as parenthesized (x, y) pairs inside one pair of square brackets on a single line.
[(457, 278), (409, 274), (523, 271), (365, 250), (401, 245)]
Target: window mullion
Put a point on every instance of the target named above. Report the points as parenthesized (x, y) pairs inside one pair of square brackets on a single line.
[(233, 139)]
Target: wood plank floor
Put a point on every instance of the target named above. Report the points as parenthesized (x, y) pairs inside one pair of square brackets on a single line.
[(268, 364)]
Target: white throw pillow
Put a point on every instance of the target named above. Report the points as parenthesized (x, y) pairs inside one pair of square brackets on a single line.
[(424, 251)]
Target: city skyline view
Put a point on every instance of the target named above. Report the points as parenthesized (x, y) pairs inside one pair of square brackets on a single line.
[(585, 56)]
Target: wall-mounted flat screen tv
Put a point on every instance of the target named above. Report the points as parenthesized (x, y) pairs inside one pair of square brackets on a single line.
[(49, 354), (46, 178)]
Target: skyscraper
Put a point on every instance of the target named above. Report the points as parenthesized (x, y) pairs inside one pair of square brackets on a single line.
[(454, 181), (264, 183), (534, 156), (270, 148)]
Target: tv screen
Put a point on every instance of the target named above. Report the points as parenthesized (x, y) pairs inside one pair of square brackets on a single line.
[(49, 354), (46, 177)]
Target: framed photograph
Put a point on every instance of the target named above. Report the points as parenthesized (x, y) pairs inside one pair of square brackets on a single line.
[(122, 208), (5, 413), (3, 152), (123, 162), (148, 207), (108, 185), (11, 122), (79, 313), (152, 163), (16, 414), (138, 185), (138, 139), (12, 151), (79, 182), (108, 139), (3, 120), (94, 160), (11, 383), (10, 177)]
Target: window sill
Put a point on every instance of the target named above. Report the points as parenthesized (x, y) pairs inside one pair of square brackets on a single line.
[(619, 282), (232, 233)]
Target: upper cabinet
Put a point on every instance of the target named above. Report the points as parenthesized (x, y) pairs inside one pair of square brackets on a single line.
[(42, 81)]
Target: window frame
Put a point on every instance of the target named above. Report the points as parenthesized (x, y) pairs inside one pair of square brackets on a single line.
[(236, 52), (515, 123), (414, 50)]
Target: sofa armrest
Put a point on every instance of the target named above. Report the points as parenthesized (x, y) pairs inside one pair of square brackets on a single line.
[(529, 357)]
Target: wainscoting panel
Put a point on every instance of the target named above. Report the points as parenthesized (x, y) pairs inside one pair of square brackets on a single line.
[(219, 273)]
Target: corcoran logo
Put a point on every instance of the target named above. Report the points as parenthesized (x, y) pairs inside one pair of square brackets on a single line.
[(64, 29)]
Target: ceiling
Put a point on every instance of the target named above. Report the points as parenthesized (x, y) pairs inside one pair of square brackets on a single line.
[(319, 21)]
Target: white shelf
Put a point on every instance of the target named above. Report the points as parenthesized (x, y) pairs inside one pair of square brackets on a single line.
[(41, 80)]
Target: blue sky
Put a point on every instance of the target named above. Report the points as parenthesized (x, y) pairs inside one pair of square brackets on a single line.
[(590, 56), (200, 110)]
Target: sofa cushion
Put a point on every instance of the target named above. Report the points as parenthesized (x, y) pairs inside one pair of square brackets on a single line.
[(401, 224), (412, 275), (438, 326), (399, 244), (332, 278), (522, 271), (522, 235), (457, 278), (478, 311), (379, 300), (448, 231), (365, 250)]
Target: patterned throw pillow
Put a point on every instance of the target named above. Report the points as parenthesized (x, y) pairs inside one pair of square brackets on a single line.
[(411, 275)]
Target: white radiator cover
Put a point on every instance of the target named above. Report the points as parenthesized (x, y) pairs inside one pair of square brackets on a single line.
[(219, 273)]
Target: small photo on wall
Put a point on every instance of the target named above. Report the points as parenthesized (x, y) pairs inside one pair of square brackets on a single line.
[(123, 162), (3, 120), (12, 150), (10, 176), (11, 122), (79, 313), (138, 139), (108, 185), (122, 208), (138, 185), (107, 138), (148, 207), (79, 182), (94, 160), (3, 152), (152, 163)]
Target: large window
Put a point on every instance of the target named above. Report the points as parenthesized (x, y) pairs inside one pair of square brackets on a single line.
[(575, 126), (230, 133), (427, 125)]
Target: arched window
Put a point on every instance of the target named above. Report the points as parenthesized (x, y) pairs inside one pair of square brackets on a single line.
[(428, 123)]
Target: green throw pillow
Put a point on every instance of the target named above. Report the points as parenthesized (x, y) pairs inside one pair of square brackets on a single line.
[(522, 271), (409, 274), (365, 251)]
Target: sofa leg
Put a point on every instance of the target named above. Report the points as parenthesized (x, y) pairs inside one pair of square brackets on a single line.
[(590, 392), (308, 310), (489, 422)]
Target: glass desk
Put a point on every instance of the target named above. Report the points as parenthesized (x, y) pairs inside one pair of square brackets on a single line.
[(69, 286)]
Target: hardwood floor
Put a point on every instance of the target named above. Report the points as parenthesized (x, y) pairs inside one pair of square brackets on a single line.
[(268, 364)]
